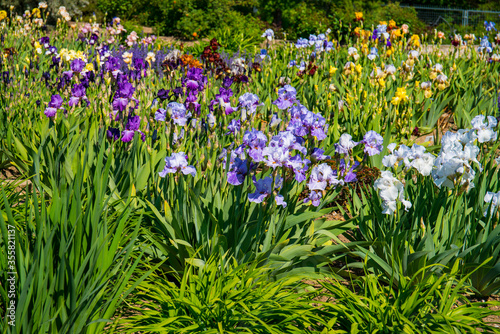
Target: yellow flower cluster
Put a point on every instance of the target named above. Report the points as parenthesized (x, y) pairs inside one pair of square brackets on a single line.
[(415, 40), (70, 55), (400, 96), (36, 13), (359, 15), (3, 14)]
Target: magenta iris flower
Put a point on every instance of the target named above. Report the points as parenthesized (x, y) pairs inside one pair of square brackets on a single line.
[(177, 162)]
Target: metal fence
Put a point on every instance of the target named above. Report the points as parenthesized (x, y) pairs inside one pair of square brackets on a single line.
[(465, 17)]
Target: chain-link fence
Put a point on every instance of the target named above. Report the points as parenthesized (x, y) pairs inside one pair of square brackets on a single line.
[(465, 17)]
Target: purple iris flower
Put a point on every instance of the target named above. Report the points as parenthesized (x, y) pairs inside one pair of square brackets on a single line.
[(227, 82), (192, 85), (112, 64), (314, 197), (255, 141), (134, 122), (50, 112), (250, 102), (132, 126), (163, 94), (93, 39), (264, 187), (319, 127), (45, 41), (51, 50), (56, 101), (120, 103), (299, 167), (77, 94), (125, 89), (67, 75), (286, 97), (238, 171), (177, 162), (317, 155), (234, 126), (373, 143), (77, 65), (113, 133), (347, 172)]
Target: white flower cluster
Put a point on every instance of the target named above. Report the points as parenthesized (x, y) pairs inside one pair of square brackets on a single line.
[(451, 168), (64, 13), (391, 191), (494, 199), (414, 157), (458, 152)]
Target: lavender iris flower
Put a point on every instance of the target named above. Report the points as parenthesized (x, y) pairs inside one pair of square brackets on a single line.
[(269, 34), (177, 162), (317, 155), (489, 26), (178, 113), (314, 197), (160, 115), (286, 97), (250, 102), (255, 141), (373, 143), (345, 144), (234, 126)]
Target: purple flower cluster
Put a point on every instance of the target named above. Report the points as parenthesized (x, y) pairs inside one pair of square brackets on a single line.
[(122, 98), (305, 123)]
